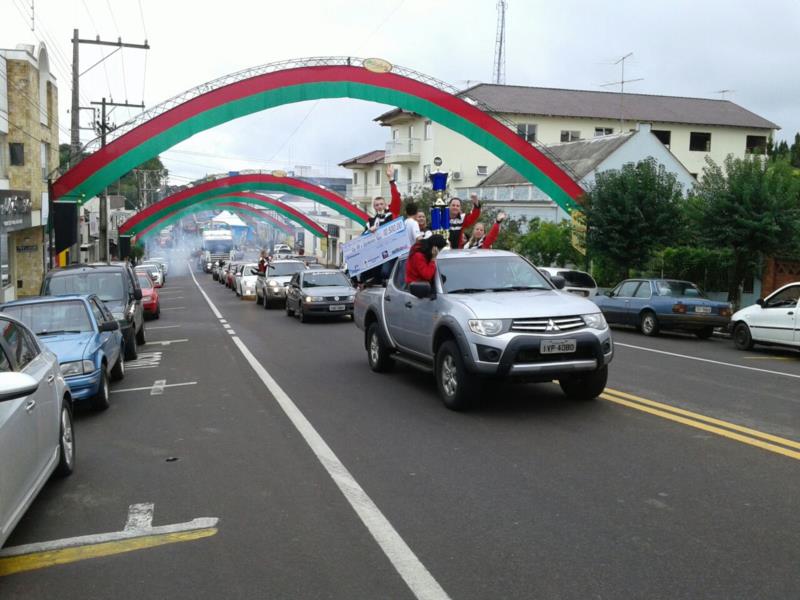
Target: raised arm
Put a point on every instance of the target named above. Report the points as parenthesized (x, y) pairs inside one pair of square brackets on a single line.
[(474, 214), (396, 205)]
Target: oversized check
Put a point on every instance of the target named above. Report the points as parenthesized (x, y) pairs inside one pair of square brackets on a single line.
[(372, 249)]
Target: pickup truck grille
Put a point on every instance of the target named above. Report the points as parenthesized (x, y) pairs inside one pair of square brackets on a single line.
[(548, 324)]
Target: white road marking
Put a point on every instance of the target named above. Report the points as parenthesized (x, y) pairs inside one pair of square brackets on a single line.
[(175, 308), (158, 387), (150, 387), (708, 360), (140, 516), (149, 327), (231, 331), (166, 342), (226, 326), (222, 321), (414, 573), (146, 360), (99, 538)]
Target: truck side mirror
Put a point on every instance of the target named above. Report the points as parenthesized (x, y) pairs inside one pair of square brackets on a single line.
[(558, 281)]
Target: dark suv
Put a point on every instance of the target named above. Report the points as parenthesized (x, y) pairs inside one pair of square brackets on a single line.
[(115, 284)]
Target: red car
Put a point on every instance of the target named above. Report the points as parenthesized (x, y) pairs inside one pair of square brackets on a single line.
[(150, 303)]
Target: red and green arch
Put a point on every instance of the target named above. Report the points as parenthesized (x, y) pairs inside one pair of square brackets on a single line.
[(253, 214), (323, 78), (169, 216), (227, 186)]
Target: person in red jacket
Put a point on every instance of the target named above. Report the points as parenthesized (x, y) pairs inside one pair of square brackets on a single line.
[(421, 264), (480, 239), (460, 222)]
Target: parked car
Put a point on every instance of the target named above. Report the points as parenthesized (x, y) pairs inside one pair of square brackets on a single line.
[(161, 261), (36, 435), (85, 337), (116, 285), (774, 320), (245, 282), (318, 293), (487, 314), (151, 304), (230, 273), (668, 304), (271, 285), (153, 272), (577, 282), (156, 265)]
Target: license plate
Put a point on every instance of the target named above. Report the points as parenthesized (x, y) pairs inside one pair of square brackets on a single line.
[(705, 310), (558, 346), (335, 307)]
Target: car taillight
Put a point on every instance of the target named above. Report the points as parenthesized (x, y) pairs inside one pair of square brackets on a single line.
[(679, 308)]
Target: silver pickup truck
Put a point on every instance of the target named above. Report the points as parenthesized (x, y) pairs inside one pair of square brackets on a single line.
[(488, 313)]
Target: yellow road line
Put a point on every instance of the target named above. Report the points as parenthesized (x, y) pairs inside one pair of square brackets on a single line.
[(712, 420), (40, 560), (699, 425)]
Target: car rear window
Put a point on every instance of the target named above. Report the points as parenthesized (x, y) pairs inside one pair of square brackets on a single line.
[(578, 279), (108, 285)]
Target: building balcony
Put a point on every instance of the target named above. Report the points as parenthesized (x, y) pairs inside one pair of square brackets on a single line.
[(402, 150)]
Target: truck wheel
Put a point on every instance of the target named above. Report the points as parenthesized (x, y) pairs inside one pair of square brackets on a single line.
[(378, 354), (140, 339), (131, 351), (587, 386), (742, 338), (457, 387), (649, 323)]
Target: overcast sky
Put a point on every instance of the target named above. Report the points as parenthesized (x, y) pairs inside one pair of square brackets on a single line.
[(681, 47)]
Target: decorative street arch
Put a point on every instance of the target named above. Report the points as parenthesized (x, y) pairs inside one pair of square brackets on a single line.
[(226, 186), (245, 210), (277, 84), (170, 216)]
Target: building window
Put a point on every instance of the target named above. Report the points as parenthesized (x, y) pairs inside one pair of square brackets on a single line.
[(599, 131), (428, 130), (17, 154), (395, 134), (527, 131), (483, 170), (756, 144), (570, 136), (377, 176), (426, 172), (664, 136), (355, 178), (699, 142), (45, 159), (408, 175)]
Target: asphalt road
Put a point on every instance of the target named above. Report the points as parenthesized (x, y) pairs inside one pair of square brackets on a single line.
[(527, 496)]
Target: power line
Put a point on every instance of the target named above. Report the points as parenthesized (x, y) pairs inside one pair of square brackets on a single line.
[(102, 52), (30, 100), (121, 54)]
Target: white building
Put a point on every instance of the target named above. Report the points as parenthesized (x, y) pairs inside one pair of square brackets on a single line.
[(509, 191), (691, 128)]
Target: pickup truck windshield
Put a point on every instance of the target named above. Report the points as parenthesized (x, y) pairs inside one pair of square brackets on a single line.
[(493, 273)]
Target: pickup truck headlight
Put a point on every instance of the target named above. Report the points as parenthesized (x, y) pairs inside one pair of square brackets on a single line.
[(78, 367), (488, 327), (273, 283), (314, 298), (595, 320)]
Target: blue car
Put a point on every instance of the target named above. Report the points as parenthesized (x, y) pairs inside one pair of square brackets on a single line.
[(84, 335), (653, 305)]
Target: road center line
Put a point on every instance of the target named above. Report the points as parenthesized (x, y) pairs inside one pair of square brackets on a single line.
[(414, 573), (708, 360), (150, 387)]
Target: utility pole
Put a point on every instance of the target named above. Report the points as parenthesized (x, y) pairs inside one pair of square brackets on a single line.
[(499, 66), (104, 127), (621, 83), (75, 138)]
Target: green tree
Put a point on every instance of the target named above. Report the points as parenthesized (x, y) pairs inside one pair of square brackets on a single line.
[(794, 152), (546, 244), (631, 213), (750, 207)]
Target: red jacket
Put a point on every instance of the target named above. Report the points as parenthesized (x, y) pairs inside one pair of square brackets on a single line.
[(396, 205), (418, 268), (468, 220)]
